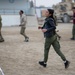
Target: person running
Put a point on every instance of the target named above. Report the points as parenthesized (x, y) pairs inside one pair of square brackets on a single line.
[(51, 39)]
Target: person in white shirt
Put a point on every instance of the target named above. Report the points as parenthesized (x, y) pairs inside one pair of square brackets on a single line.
[(23, 21)]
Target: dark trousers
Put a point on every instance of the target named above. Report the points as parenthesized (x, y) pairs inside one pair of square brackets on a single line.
[(54, 42), (73, 32)]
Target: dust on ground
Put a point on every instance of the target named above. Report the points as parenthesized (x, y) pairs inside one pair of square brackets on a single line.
[(20, 58)]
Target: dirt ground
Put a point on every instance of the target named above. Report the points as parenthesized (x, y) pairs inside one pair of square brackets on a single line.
[(20, 58)]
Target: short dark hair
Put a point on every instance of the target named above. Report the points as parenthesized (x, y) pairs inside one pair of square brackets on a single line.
[(73, 7), (22, 11)]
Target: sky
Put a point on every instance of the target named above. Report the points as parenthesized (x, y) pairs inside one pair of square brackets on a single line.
[(47, 3)]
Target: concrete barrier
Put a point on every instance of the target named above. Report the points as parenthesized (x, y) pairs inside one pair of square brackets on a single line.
[(14, 20)]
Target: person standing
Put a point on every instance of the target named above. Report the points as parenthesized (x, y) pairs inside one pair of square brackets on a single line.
[(73, 29), (51, 39), (23, 21), (1, 38)]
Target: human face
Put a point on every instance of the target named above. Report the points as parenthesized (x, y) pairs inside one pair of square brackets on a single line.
[(20, 13), (47, 14)]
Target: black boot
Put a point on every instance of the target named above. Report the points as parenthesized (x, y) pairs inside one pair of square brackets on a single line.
[(27, 39), (72, 38), (66, 64), (1, 40), (42, 63)]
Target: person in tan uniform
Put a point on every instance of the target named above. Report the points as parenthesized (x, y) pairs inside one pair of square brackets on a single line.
[(23, 21), (1, 38)]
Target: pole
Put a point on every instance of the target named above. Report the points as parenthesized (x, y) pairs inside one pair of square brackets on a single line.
[(35, 6)]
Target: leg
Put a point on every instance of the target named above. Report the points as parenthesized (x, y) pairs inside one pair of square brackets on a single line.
[(46, 50), (56, 46), (0, 30), (48, 43), (25, 34), (1, 38), (74, 32), (22, 32)]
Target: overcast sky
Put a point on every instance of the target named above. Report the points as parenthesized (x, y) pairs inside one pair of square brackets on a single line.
[(46, 2)]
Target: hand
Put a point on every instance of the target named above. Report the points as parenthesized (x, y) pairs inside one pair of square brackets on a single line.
[(39, 27), (44, 30)]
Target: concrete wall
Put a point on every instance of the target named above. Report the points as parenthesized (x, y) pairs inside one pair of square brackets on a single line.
[(6, 7), (17, 4), (12, 20), (10, 12)]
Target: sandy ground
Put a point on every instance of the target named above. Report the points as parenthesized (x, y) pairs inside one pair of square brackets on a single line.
[(20, 58)]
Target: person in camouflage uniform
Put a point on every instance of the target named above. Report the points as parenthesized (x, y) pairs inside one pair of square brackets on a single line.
[(1, 38)]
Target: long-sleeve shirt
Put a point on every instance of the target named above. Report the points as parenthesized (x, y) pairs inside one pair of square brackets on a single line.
[(23, 20), (50, 26)]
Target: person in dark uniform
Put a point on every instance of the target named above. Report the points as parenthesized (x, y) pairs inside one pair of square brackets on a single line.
[(51, 39), (73, 29), (1, 38)]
